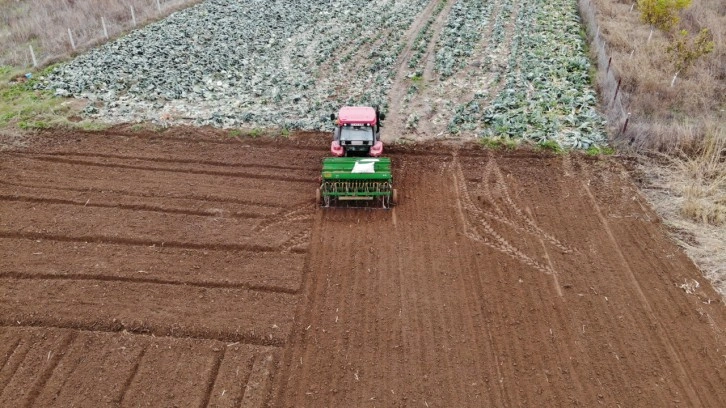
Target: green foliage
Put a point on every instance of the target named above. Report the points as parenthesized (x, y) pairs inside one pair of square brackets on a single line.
[(550, 145), (598, 150), (22, 106), (5, 70), (497, 142), (256, 132), (234, 133), (285, 132), (662, 14), (90, 126), (33, 125), (684, 50)]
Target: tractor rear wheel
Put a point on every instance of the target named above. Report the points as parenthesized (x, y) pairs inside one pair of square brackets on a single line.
[(318, 198), (394, 196)]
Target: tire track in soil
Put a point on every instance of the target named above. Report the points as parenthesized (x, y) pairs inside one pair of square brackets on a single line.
[(271, 271), (561, 343), (259, 383), (233, 398), (101, 278), (132, 376), (54, 360), (133, 207), (395, 123), (694, 398), (213, 374), (164, 159), (13, 362), (193, 197), (135, 242), (216, 139), (156, 169), (258, 318), (32, 367)]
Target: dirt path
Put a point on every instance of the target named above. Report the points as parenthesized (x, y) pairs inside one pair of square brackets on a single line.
[(395, 123), (190, 269)]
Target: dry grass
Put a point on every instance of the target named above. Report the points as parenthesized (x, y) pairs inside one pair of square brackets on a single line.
[(689, 193), (697, 101), (44, 24), (704, 180)]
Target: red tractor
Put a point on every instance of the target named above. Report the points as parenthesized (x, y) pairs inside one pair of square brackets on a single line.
[(357, 132)]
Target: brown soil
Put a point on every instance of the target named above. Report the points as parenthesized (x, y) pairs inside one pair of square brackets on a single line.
[(187, 268)]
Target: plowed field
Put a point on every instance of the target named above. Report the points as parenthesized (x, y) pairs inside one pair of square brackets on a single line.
[(188, 268)]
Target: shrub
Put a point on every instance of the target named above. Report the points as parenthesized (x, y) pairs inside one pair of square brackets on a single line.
[(684, 50), (662, 14)]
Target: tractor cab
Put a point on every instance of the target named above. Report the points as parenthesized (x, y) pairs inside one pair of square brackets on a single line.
[(357, 132)]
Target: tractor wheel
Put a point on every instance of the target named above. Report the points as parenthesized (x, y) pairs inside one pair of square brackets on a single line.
[(394, 197), (318, 198)]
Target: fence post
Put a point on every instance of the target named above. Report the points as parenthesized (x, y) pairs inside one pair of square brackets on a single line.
[(625, 125), (32, 56), (617, 89), (105, 30), (133, 15), (70, 36)]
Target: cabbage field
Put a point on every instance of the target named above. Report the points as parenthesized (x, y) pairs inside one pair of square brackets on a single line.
[(504, 68)]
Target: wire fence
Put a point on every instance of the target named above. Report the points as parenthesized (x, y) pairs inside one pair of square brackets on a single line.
[(41, 37), (608, 80)]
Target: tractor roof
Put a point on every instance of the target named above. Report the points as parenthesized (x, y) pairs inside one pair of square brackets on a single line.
[(357, 114)]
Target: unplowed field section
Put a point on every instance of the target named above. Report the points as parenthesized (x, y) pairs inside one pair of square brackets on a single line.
[(166, 270)]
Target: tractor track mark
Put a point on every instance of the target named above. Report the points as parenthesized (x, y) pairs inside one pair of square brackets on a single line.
[(292, 244), (301, 213), (161, 159), (690, 391), (303, 311), (8, 354), (133, 207), (132, 375), (236, 174), (108, 278), (493, 89), (195, 197), (45, 375), (273, 145), (119, 327), (461, 75), (243, 384), (501, 185), (213, 374), (399, 84), (24, 350), (139, 242), (472, 230), (429, 57), (257, 388)]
